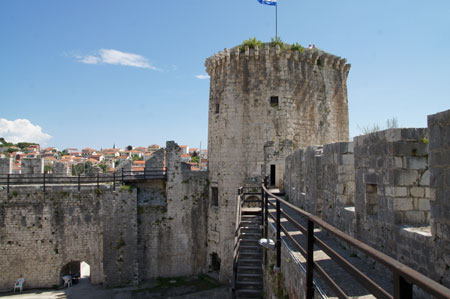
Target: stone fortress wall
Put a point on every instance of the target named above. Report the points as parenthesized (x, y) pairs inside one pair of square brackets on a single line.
[(41, 232), (138, 232), (265, 97), (389, 189)]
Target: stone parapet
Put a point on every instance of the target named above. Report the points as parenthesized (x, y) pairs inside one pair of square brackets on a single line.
[(268, 52), (439, 147), (388, 189)]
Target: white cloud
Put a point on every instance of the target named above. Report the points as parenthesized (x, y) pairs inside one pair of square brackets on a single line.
[(202, 77), (111, 56), (22, 130), (90, 59)]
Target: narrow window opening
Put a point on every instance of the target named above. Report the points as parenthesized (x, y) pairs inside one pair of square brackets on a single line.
[(274, 101), (217, 108), (215, 262), (215, 196), (272, 175), (319, 62)]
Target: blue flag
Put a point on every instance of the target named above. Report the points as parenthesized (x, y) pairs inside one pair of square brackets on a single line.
[(268, 2)]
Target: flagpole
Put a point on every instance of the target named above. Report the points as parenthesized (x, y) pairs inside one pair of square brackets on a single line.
[(276, 21)]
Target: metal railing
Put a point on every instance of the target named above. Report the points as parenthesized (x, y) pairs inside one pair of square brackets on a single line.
[(242, 193), (79, 180), (404, 277)]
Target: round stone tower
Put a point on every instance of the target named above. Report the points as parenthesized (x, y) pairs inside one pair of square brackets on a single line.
[(263, 104)]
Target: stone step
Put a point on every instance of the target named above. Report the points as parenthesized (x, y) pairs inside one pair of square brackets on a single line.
[(253, 284), (256, 256), (251, 234), (250, 261), (250, 242), (249, 293), (250, 250), (246, 254), (249, 268), (250, 247), (251, 211), (255, 277), (252, 218), (251, 227)]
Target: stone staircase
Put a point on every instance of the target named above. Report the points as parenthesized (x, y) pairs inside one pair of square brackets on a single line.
[(249, 283)]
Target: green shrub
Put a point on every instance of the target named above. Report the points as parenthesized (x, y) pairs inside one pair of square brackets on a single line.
[(124, 188), (278, 41), (297, 47), (251, 43)]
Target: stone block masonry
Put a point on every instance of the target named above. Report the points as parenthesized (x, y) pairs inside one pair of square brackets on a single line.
[(42, 232), (138, 232), (172, 219), (263, 104), (388, 189), (32, 166), (6, 165), (439, 149)]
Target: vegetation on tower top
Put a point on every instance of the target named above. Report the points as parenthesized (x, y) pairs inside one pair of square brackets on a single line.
[(252, 43)]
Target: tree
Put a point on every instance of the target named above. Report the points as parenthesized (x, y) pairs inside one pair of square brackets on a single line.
[(48, 168), (103, 166), (77, 169), (129, 148)]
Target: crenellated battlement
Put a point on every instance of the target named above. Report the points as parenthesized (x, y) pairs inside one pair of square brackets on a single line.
[(311, 56)]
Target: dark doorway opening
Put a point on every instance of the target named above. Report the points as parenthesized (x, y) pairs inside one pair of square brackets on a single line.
[(272, 175), (80, 271), (215, 262)]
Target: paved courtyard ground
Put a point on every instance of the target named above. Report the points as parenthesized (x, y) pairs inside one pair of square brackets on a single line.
[(179, 288)]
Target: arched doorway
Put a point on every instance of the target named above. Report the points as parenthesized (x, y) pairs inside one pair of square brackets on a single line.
[(252, 202), (80, 272)]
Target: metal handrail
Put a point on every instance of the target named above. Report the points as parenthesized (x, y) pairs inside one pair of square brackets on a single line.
[(404, 276), (236, 242), (55, 179)]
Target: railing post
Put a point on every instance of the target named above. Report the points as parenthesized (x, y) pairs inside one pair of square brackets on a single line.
[(7, 184), (402, 288), (43, 182), (278, 235), (122, 176), (310, 260), (114, 181), (98, 182), (266, 214), (262, 206), (79, 187)]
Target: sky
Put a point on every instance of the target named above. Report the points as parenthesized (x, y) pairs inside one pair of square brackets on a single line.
[(103, 73)]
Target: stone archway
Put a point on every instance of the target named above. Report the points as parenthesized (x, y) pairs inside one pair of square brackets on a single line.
[(80, 271), (252, 201)]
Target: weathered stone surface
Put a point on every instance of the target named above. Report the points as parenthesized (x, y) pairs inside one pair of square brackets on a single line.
[(32, 166), (391, 194), (260, 96), (155, 228), (42, 232), (6, 165)]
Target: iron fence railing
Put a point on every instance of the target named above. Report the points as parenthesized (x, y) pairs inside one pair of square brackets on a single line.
[(120, 177), (404, 277)]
